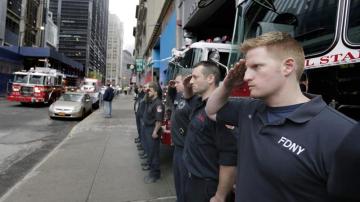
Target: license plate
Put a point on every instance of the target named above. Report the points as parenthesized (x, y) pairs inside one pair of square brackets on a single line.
[(61, 114)]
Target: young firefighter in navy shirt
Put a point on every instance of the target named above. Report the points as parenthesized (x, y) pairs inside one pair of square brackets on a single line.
[(210, 150), (153, 117), (180, 118), (287, 139)]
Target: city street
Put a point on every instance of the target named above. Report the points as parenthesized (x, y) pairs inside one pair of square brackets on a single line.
[(26, 136), (97, 161)]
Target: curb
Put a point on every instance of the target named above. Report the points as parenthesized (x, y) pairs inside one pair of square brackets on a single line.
[(33, 172)]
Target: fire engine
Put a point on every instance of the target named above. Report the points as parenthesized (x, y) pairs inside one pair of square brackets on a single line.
[(38, 85), (328, 31), (184, 61)]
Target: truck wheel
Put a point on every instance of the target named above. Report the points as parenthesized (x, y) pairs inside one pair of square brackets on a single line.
[(96, 105)]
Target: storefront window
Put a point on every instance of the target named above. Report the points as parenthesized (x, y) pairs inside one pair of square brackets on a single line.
[(311, 22)]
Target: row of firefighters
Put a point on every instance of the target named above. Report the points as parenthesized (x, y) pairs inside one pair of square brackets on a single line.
[(284, 145)]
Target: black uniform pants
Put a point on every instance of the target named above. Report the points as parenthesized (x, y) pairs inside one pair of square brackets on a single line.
[(180, 173), (199, 189), (154, 151), (143, 139), (138, 124)]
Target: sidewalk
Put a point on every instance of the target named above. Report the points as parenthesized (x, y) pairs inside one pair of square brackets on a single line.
[(97, 162)]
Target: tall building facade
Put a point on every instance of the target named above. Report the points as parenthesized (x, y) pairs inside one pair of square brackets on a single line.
[(27, 23), (83, 31), (29, 38), (10, 22), (147, 14), (114, 50), (155, 36), (166, 24)]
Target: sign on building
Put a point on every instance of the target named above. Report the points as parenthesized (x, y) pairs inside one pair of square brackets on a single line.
[(140, 63)]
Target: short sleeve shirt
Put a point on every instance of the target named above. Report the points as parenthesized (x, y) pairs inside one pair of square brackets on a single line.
[(180, 118), (207, 145), (345, 177), (289, 159), (154, 111)]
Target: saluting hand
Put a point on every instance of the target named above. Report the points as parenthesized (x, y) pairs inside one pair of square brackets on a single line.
[(172, 84), (154, 135), (186, 81), (188, 92), (235, 76)]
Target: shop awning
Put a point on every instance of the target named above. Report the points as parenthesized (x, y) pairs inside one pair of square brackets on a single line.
[(44, 53), (10, 56)]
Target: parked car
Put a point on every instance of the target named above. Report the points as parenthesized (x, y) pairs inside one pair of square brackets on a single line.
[(71, 105)]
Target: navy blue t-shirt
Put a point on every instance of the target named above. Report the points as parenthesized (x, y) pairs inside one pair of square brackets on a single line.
[(207, 144), (289, 159), (180, 118), (154, 111), (277, 113)]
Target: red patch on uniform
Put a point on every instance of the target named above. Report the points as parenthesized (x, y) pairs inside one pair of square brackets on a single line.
[(201, 117), (159, 109)]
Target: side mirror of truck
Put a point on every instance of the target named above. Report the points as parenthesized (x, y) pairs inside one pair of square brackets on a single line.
[(177, 53), (214, 55)]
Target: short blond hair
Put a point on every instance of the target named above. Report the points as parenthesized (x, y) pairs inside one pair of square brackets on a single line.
[(281, 44)]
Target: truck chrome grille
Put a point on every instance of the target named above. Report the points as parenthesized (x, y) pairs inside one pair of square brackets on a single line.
[(26, 91)]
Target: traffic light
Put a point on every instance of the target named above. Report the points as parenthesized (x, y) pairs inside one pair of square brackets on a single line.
[(130, 66)]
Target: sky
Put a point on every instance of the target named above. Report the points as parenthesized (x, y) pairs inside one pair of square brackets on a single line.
[(125, 10)]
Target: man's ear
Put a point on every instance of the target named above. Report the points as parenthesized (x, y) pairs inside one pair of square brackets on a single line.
[(289, 66), (211, 78)]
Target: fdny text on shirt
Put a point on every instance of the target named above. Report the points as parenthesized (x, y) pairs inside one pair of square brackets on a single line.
[(290, 145)]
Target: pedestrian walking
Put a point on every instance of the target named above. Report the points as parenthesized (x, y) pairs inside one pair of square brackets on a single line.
[(287, 139), (210, 150), (107, 98), (153, 117)]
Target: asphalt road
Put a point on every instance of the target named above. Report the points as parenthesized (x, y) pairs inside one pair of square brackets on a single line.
[(26, 136)]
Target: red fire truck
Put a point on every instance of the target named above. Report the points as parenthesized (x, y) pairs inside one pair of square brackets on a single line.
[(38, 85), (185, 60)]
